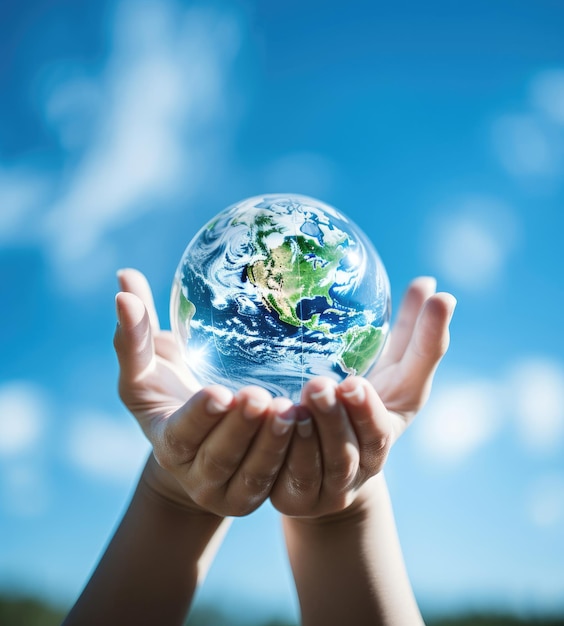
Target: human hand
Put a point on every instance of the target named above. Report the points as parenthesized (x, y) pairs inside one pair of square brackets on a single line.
[(213, 451), (344, 432)]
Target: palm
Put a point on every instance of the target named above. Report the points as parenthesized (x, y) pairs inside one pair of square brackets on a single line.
[(419, 338), (162, 388)]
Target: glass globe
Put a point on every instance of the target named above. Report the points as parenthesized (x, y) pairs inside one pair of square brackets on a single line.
[(276, 290)]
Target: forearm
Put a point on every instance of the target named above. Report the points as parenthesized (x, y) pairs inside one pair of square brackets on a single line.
[(150, 570), (349, 568)]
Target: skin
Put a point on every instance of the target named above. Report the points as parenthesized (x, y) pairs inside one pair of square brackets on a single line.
[(217, 454), (338, 521)]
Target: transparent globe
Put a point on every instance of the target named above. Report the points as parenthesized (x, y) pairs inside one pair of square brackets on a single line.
[(276, 290)]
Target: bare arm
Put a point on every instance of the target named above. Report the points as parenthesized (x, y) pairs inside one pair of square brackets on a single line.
[(151, 568), (349, 568), (215, 454), (338, 520)]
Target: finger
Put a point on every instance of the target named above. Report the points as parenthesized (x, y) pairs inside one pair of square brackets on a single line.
[(427, 346), (134, 281), (177, 439), (133, 341), (370, 420), (298, 485), (419, 290), (223, 450), (338, 442), (257, 473), (167, 348)]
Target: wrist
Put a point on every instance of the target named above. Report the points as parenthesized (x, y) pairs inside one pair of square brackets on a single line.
[(161, 487), (358, 512)]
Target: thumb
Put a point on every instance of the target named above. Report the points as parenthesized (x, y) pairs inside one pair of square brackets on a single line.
[(133, 339)]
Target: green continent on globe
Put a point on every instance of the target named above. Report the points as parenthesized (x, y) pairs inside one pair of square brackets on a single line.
[(297, 269), (360, 346), (186, 310)]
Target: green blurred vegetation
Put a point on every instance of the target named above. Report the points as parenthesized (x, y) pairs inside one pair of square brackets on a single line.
[(27, 611), (496, 619)]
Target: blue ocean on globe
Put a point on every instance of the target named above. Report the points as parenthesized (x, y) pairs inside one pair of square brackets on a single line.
[(276, 290)]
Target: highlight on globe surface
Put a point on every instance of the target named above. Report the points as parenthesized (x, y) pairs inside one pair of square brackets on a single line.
[(276, 290)]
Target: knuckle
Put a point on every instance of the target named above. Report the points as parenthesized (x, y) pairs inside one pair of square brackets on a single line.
[(178, 449), (343, 470), (258, 482), (214, 466), (164, 460), (301, 485), (377, 446)]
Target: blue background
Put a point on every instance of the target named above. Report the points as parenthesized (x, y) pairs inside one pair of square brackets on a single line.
[(438, 127)]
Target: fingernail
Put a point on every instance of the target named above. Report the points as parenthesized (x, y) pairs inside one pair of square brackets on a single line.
[(254, 408), (118, 310), (282, 424), (119, 274), (356, 395), (454, 303), (215, 406), (431, 281), (325, 399), (305, 427)]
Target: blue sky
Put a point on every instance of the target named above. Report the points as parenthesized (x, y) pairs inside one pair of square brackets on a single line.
[(438, 127)]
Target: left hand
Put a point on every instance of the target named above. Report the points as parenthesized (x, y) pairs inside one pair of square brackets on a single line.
[(213, 452), (345, 431)]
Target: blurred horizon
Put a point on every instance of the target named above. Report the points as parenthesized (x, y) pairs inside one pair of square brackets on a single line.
[(437, 127)]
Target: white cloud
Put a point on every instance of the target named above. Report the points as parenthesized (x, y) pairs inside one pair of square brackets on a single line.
[(22, 417), (530, 144), (470, 242), (23, 421), (459, 419), (526, 399), (106, 447), (166, 72), (73, 108), (536, 387), (21, 193), (148, 126), (547, 94)]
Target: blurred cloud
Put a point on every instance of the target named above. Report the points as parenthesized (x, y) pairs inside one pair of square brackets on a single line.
[(105, 447), (530, 143), (22, 417), (547, 94), (23, 422), (537, 389), (21, 194), (459, 419), (73, 107), (142, 129), (470, 242), (524, 146), (526, 400)]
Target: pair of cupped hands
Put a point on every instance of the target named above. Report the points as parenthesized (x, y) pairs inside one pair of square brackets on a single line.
[(221, 453)]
